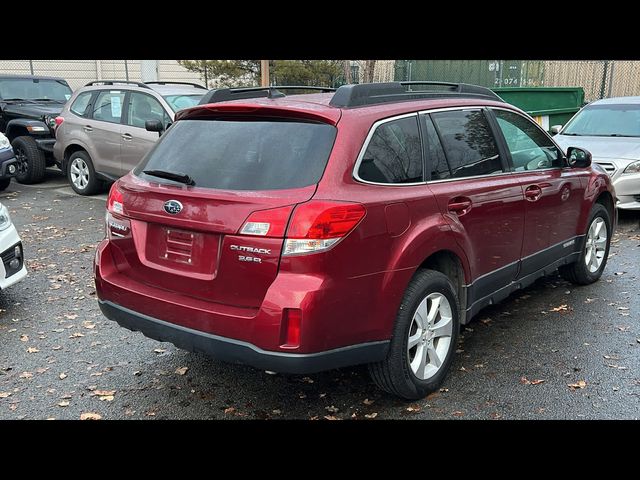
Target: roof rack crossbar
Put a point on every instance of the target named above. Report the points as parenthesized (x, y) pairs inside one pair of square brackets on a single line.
[(116, 82), (197, 85), (226, 94), (373, 93)]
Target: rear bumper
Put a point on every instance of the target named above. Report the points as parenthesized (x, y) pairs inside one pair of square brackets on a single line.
[(235, 351)]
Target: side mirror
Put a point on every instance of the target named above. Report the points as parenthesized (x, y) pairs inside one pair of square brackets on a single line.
[(555, 129), (154, 126), (578, 157)]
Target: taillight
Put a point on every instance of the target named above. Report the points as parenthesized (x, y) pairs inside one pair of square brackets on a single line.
[(114, 203), (318, 225), (267, 223), (58, 121)]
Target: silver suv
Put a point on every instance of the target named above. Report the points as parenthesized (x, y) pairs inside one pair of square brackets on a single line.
[(101, 133)]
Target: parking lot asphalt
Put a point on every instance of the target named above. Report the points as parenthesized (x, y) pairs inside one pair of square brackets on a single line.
[(552, 351)]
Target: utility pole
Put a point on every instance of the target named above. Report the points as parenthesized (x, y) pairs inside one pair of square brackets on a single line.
[(264, 73)]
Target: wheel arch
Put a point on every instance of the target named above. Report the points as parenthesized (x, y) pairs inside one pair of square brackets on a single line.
[(68, 151), (452, 265)]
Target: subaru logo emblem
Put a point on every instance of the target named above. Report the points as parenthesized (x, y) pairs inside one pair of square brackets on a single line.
[(172, 207)]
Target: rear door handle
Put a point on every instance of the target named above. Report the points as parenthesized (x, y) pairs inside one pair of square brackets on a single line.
[(87, 128), (459, 205), (532, 193), (126, 136)]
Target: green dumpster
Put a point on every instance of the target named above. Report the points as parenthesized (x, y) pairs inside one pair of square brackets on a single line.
[(547, 105)]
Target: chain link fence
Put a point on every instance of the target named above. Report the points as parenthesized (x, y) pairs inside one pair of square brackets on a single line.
[(598, 78), (79, 72)]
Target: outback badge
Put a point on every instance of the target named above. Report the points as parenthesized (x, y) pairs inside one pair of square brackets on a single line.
[(172, 207)]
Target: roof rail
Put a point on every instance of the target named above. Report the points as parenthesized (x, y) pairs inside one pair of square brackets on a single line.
[(116, 82), (363, 94), (226, 94), (197, 85)]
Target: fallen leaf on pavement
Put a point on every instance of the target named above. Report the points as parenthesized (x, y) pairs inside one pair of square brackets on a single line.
[(64, 404), (370, 415), (57, 347), (32, 350), (108, 398), (561, 308), (332, 409), (413, 409), (307, 380), (578, 384), (159, 350), (76, 335), (71, 316), (90, 416), (26, 375), (229, 410), (24, 338), (62, 376), (5, 394), (616, 366), (366, 401), (457, 413), (331, 417), (182, 370)]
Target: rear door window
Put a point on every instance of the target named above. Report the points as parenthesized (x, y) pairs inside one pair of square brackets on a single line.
[(252, 154), (108, 106), (468, 142), (393, 154)]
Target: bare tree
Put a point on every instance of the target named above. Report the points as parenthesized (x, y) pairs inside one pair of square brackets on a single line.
[(369, 69), (347, 71)]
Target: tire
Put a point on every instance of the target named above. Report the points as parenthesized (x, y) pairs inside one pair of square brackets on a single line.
[(31, 160), (395, 374), (81, 174), (4, 183), (580, 272)]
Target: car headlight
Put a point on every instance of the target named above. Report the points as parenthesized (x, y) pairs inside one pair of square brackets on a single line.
[(5, 219), (4, 142), (633, 167)]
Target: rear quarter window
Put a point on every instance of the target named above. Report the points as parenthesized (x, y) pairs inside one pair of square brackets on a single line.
[(251, 154), (81, 103)]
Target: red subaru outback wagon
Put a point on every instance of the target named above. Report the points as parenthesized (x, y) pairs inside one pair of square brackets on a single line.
[(308, 232)]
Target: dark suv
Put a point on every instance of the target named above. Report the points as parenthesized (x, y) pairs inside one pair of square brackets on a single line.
[(29, 105), (309, 232)]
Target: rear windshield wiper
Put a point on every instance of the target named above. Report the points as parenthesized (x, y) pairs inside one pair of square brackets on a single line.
[(175, 176), (619, 135), (572, 134)]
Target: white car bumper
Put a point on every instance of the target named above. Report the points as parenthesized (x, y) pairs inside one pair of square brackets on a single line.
[(9, 238), (628, 191)]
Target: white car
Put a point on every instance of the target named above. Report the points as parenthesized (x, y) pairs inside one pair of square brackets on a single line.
[(12, 267), (610, 130)]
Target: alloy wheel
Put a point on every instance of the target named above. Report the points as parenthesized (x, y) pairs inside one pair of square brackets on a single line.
[(430, 335), (79, 171), (596, 244)]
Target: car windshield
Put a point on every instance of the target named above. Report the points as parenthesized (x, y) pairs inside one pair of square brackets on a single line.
[(606, 120), (251, 154), (178, 102), (34, 89)]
